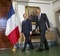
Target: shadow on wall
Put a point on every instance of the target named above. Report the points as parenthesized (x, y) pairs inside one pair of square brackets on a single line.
[(57, 35), (55, 29), (57, 32)]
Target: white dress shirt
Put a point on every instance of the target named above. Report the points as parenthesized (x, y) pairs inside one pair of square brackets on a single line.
[(39, 16)]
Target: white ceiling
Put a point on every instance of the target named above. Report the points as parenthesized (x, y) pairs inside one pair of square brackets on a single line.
[(44, 1), (35, 0)]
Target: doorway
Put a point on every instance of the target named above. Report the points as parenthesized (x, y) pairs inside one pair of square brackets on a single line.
[(57, 29)]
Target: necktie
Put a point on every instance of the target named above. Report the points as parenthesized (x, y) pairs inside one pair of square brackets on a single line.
[(24, 21), (39, 17)]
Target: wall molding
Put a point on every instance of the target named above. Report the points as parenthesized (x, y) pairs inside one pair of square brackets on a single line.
[(36, 2)]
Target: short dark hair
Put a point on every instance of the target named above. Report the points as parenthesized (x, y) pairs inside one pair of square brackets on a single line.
[(38, 8)]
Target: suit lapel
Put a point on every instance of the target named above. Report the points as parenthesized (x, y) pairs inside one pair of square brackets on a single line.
[(40, 17)]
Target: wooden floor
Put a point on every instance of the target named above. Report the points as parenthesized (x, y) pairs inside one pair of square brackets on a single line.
[(53, 51)]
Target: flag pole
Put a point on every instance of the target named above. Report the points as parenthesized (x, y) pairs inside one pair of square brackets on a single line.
[(14, 7)]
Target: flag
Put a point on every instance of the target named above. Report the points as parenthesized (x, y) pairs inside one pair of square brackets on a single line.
[(12, 29)]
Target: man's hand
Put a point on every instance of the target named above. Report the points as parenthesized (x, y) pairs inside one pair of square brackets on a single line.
[(36, 30), (30, 32), (48, 29)]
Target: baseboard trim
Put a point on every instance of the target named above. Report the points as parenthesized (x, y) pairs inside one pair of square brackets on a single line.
[(35, 44)]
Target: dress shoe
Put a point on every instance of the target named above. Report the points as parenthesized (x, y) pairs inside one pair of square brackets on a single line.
[(39, 50), (23, 50), (31, 48), (47, 48)]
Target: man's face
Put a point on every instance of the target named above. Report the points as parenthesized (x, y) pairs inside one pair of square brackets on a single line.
[(25, 16), (38, 11)]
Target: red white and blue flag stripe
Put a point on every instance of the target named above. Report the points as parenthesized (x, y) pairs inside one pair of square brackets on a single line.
[(12, 29)]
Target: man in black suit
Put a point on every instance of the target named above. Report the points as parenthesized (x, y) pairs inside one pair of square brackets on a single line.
[(41, 21), (27, 31)]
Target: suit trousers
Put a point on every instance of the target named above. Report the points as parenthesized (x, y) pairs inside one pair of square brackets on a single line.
[(27, 41), (43, 40)]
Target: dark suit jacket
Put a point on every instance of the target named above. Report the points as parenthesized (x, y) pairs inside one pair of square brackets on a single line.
[(26, 26), (42, 22)]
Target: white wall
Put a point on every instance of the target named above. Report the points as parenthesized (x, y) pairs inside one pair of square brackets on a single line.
[(55, 7), (21, 11), (45, 8)]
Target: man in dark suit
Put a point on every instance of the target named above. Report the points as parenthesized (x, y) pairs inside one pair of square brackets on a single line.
[(41, 21), (27, 31)]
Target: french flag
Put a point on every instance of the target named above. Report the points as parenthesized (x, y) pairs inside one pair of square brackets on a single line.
[(12, 29)]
